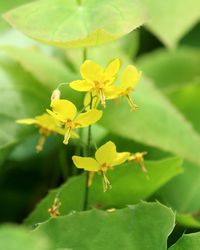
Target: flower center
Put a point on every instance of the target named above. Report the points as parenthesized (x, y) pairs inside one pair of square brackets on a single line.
[(126, 91), (105, 166), (71, 124)]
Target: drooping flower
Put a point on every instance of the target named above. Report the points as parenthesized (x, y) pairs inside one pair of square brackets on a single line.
[(129, 79), (47, 125), (139, 159), (66, 112), (54, 210), (106, 157), (55, 94), (97, 80)]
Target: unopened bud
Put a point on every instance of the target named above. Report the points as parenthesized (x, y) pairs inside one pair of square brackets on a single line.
[(55, 95)]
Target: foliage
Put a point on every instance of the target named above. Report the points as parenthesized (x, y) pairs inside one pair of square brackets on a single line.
[(133, 128)]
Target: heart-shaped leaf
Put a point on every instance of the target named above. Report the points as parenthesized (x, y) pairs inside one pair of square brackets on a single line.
[(7, 5), (129, 185), (71, 23), (144, 226)]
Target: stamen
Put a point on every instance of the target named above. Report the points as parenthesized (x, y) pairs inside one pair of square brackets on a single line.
[(41, 143), (67, 135), (139, 159), (131, 103), (106, 182), (102, 98)]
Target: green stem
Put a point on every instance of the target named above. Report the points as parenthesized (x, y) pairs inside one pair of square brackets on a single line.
[(87, 173), (85, 204), (84, 54)]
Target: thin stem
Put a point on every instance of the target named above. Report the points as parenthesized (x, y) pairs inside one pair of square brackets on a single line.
[(61, 84), (87, 173), (85, 204)]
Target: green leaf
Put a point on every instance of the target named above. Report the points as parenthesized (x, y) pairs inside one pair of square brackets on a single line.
[(192, 38), (188, 184), (178, 75), (144, 226), (156, 123), (187, 220), (15, 237), (129, 185), (171, 70), (94, 22), (186, 99), (44, 68), (7, 5), (171, 20), (21, 97), (187, 242)]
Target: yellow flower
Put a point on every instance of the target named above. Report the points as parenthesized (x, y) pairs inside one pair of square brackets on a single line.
[(139, 159), (106, 157), (98, 81), (66, 112), (46, 124), (129, 79)]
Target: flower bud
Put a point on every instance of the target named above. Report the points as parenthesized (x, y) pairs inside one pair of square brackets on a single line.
[(55, 95)]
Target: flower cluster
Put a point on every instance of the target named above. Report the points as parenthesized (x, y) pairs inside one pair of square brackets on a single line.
[(101, 82), (63, 118)]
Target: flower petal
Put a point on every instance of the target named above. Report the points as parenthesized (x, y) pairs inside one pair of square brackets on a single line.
[(91, 71), (27, 121), (106, 153), (48, 122), (130, 76), (112, 92), (81, 85), (87, 163), (88, 118), (121, 158), (111, 70), (64, 109)]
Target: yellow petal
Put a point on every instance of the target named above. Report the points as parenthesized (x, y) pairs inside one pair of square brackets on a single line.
[(63, 109), (81, 85), (130, 76), (121, 158), (58, 130), (91, 71), (27, 121), (50, 123), (112, 92), (55, 115), (112, 70), (86, 163), (88, 118), (106, 153)]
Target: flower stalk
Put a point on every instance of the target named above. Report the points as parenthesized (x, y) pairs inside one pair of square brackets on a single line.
[(89, 136)]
